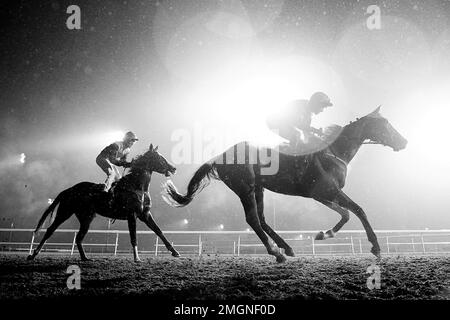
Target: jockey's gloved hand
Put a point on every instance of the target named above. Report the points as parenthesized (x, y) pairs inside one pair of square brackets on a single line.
[(318, 132), (126, 164)]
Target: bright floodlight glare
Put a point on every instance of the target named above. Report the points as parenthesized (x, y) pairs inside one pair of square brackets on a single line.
[(185, 221), (221, 226), (248, 229), (50, 201), (245, 97), (22, 158), (109, 137), (426, 126)]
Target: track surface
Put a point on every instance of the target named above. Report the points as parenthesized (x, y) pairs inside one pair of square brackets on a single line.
[(249, 277)]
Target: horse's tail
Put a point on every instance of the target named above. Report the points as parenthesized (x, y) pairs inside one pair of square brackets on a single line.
[(199, 181), (48, 211)]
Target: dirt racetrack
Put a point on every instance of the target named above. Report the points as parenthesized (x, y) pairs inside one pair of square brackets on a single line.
[(227, 277)]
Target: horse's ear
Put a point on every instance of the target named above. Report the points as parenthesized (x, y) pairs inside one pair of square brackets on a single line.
[(378, 110), (156, 148), (151, 147), (375, 113)]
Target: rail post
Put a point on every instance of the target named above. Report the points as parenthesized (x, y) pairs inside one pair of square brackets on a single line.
[(117, 243), (353, 246), (412, 242), (199, 244), (360, 246), (313, 248), (423, 243), (73, 243), (31, 244), (239, 245), (234, 248), (387, 243), (156, 247)]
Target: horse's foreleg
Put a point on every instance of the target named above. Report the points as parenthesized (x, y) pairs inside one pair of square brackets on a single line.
[(259, 197), (344, 219), (147, 218), (133, 238), (344, 201)]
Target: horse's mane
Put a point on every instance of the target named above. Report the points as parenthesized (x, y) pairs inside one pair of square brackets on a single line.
[(138, 163), (332, 137)]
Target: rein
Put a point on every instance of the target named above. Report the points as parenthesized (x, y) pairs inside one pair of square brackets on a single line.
[(373, 142), (332, 154)]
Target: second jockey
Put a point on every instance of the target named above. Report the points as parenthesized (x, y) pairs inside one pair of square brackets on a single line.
[(114, 156)]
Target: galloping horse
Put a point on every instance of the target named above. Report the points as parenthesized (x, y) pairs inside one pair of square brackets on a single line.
[(320, 176), (128, 200)]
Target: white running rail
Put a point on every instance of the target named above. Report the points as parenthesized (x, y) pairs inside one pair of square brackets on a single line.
[(347, 242)]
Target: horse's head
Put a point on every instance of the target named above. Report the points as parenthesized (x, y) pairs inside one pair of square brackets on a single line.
[(152, 160), (378, 130)]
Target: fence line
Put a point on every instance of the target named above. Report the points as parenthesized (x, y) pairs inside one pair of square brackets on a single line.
[(391, 241)]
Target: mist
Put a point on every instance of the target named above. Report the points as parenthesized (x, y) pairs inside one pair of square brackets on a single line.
[(156, 69)]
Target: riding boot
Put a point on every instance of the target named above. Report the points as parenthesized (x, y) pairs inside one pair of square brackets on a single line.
[(109, 181)]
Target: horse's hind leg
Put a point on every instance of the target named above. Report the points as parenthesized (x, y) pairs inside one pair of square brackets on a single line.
[(344, 219), (61, 215), (85, 222), (251, 216), (241, 179), (147, 218), (259, 197)]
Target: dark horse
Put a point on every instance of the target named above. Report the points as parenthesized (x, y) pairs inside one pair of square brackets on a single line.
[(320, 175), (129, 200)]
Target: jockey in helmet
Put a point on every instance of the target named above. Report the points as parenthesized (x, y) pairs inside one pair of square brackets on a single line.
[(293, 122), (114, 156)]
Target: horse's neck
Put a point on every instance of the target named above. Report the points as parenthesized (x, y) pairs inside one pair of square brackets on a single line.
[(346, 147), (140, 179)]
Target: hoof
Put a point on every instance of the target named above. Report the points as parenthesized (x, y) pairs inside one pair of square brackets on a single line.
[(274, 251), (281, 258), (175, 254), (329, 234), (86, 259), (320, 236), (30, 257), (137, 260), (289, 252), (376, 252)]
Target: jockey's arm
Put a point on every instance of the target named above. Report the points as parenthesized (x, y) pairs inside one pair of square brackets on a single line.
[(123, 161), (111, 153), (308, 130), (317, 132)]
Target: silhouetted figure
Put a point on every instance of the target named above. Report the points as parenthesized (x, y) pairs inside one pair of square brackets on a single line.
[(322, 178), (126, 202), (293, 121), (114, 156)]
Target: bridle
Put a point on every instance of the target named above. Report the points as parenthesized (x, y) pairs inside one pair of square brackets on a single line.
[(333, 153)]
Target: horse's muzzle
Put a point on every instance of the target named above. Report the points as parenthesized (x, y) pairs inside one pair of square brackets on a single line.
[(401, 145), (170, 172)]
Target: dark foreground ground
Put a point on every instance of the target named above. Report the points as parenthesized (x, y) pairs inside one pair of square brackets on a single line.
[(249, 277)]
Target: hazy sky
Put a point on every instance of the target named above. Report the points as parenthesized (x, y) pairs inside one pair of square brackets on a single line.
[(162, 67)]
